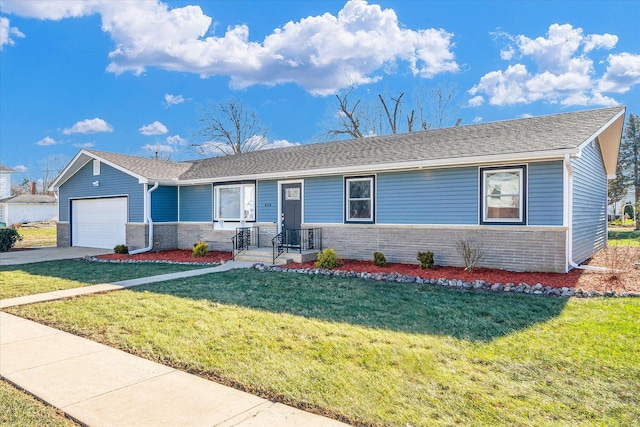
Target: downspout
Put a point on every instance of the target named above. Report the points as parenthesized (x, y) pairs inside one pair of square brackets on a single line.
[(149, 221), (572, 263)]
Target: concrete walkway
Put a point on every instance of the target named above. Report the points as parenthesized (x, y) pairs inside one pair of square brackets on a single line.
[(101, 386)]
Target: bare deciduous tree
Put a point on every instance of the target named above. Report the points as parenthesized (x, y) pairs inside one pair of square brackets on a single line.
[(229, 128), (393, 120), (434, 108), (349, 118), (50, 168)]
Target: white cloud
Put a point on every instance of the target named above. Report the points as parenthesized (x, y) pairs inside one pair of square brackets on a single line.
[(507, 54), (84, 145), (176, 140), (477, 119), (89, 126), (556, 68), (20, 168), (476, 101), (7, 32), (355, 47), (155, 128), (173, 99), (47, 140), (525, 116), (278, 143), (600, 41), (622, 73)]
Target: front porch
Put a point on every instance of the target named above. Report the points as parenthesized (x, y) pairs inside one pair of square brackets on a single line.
[(293, 245)]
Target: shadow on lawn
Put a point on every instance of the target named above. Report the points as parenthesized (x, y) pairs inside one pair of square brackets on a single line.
[(410, 308), (89, 273)]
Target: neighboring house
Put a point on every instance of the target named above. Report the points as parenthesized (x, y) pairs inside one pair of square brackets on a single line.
[(532, 191), (5, 181), (28, 208)]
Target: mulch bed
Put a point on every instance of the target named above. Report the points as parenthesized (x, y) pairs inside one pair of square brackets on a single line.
[(627, 281), (176, 255)]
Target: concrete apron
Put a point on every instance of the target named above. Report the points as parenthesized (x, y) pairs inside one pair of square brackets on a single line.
[(28, 256)]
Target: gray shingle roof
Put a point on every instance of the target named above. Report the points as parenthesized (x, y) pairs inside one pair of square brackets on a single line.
[(511, 137), (148, 168), (4, 168), (31, 199)]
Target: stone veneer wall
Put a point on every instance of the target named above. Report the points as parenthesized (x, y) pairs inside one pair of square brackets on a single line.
[(136, 235), (508, 247), (62, 234), (219, 240), (164, 236)]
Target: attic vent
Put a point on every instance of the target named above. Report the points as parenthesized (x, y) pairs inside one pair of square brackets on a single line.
[(96, 167)]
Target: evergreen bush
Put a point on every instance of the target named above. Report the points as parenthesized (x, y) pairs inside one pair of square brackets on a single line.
[(379, 260), (426, 259), (200, 250), (328, 258), (8, 237)]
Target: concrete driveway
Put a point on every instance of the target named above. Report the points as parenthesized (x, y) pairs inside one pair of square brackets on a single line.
[(29, 256)]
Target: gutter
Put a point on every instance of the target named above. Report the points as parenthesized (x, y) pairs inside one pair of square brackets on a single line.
[(572, 263), (149, 221)]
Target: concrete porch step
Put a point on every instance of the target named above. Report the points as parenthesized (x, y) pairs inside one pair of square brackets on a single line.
[(265, 256)]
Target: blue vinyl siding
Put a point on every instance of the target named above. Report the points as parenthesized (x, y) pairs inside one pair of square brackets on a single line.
[(164, 204), (589, 203), (267, 203), (545, 193), (323, 200), (440, 196), (112, 182), (196, 203)]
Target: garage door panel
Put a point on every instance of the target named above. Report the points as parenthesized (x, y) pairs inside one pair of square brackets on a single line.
[(99, 223)]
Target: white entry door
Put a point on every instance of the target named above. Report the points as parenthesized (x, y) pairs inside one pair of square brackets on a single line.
[(99, 223)]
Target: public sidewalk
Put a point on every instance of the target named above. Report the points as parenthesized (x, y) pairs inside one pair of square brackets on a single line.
[(101, 386)]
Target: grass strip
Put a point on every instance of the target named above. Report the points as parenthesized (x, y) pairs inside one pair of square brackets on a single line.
[(18, 408), (380, 353), (29, 279)]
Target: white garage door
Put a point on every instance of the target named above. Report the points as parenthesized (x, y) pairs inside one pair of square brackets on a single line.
[(98, 223)]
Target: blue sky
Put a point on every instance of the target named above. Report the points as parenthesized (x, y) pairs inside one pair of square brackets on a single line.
[(131, 77)]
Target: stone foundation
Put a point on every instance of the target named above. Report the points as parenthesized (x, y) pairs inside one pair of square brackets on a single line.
[(62, 235), (509, 248), (136, 235)]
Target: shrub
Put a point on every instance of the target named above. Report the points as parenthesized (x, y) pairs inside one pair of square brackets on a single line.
[(8, 238), (121, 249), (200, 249), (379, 260), (328, 259), (426, 259), (470, 253)]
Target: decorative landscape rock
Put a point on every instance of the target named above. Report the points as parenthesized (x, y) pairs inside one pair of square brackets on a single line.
[(477, 285)]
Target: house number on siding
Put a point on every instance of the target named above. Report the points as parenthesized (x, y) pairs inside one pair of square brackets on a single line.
[(267, 205)]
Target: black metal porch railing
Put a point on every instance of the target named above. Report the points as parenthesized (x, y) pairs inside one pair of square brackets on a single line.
[(243, 239), (296, 240)]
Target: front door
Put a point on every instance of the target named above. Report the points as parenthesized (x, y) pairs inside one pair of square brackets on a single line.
[(291, 213)]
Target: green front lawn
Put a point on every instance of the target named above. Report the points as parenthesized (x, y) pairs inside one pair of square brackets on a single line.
[(624, 237), (18, 408), (29, 279), (38, 236), (380, 353)]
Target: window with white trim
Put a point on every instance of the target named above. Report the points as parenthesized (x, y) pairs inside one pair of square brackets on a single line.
[(235, 202), (359, 199), (96, 167), (503, 195)]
